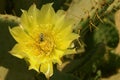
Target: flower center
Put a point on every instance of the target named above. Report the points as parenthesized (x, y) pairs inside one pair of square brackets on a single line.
[(45, 43)]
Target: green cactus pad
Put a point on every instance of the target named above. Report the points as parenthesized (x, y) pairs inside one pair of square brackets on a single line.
[(107, 33)]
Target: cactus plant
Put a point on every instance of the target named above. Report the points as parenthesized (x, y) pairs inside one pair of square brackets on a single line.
[(94, 22)]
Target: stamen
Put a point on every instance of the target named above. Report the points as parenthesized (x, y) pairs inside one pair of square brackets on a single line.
[(45, 43)]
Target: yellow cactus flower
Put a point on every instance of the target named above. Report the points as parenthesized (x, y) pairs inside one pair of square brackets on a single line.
[(43, 37)]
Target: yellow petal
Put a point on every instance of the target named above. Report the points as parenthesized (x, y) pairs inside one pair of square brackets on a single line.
[(59, 20), (18, 51), (47, 14), (19, 35), (59, 23), (64, 39), (33, 12), (47, 69), (57, 56), (33, 64), (60, 13), (26, 21), (29, 19)]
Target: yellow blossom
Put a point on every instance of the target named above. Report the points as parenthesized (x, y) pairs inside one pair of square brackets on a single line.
[(43, 38)]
